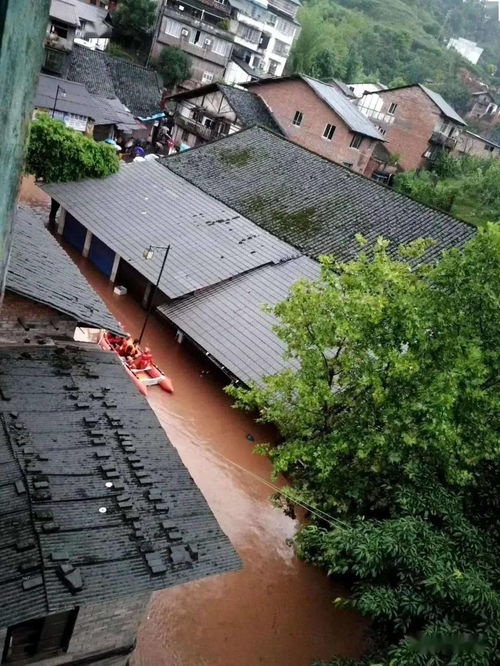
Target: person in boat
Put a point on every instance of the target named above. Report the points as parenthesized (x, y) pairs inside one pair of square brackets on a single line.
[(143, 361), (127, 348), (112, 339)]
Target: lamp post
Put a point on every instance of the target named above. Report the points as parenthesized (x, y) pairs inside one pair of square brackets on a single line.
[(63, 94), (148, 254)]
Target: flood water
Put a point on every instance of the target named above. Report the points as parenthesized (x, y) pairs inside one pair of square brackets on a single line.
[(275, 610)]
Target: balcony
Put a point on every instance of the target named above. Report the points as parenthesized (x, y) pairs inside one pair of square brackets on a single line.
[(193, 127), (441, 139)]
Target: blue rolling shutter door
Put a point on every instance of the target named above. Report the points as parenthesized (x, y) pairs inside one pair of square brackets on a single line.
[(101, 256), (74, 232)]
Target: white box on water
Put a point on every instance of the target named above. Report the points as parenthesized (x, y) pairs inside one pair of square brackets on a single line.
[(120, 290)]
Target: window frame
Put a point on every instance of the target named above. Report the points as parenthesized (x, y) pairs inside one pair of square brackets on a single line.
[(298, 116), (329, 131), (356, 141), (392, 108)]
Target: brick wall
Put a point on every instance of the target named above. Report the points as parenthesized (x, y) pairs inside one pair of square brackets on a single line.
[(46, 321), (287, 97), (414, 121)]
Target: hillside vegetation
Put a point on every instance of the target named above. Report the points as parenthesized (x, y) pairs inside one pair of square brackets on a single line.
[(396, 42)]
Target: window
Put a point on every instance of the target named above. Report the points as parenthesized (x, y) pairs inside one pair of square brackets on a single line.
[(59, 29), (297, 119), (382, 130), (184, 136), (329, 132), (173, 28), (273, 67), (42, 638), (280, 48), (207, 77), (221, 47), (285, 27), (348, 164), (489, 148), (54, 61), (271, 18), (392, 109), (248, 34), (357, 140)]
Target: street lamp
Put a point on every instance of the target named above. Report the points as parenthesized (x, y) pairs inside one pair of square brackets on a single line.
[(63, 94), (148, 254)]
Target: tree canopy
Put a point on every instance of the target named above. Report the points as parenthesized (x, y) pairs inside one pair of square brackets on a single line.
[(134, 19), (395, 40), (465, 186), (389, 429), (59, 154), (173, 65)]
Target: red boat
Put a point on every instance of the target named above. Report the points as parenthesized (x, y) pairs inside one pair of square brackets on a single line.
[(151, 375)]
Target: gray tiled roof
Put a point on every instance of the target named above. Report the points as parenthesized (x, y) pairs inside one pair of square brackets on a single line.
[(348, 111), (134, 85), (447, 110), (144, 204), (75, 98), (227, 320), (312, 203), (249, 108), (35, 259), (73, 423)]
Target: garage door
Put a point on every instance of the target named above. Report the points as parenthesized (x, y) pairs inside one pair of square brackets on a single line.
[(74, 232), (101, 256)]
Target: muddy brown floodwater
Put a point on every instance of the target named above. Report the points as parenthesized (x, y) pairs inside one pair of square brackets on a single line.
[(276, 610)]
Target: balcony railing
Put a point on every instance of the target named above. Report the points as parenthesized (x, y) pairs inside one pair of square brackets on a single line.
[(442, 139), (193, 127)]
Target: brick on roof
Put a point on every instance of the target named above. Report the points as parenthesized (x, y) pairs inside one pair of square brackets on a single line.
[(308, 201), (135, 86), (34, 257), (74, 423)]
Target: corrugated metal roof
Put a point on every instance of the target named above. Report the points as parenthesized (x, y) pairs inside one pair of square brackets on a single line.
[(228, 320), (339, 103), (144, 204), (65, 11), (308, 201), (101, 448), (34, 257), (448, 111)]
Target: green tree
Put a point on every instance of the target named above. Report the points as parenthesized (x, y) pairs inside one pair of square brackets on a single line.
[(389, 423), (59, 154), (173, 65), (133, 21)]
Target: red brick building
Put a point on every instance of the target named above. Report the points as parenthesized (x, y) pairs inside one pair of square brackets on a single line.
[(319, 117), (416, 123)]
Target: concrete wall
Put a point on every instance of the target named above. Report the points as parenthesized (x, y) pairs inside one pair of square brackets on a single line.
[(22, 28), (287, 97), (471, 144)]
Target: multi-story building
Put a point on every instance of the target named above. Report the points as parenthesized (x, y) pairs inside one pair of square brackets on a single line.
[(201, 29), (319, 117), (231, 40), (264, 33), (216, 110), (416, 122)]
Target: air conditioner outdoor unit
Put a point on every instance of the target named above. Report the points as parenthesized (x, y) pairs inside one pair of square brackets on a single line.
[(208, 42), (184, 32)]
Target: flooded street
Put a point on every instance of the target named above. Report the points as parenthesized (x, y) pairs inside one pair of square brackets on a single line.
[(275, 610)]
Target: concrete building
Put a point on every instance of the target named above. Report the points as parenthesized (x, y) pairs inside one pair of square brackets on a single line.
[(231, 40), (416, 123), (73, 21), (469, 143), (216, 110), (201, 29), (319, 117)]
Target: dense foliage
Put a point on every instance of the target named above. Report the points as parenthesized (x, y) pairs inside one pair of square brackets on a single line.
[(134, 20), (173, 65), (467, 186), (59, 154), (390, 431), (395, 41)]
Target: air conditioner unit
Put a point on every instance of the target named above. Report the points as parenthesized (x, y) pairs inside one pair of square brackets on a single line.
[(184, 32), (208, 42)]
